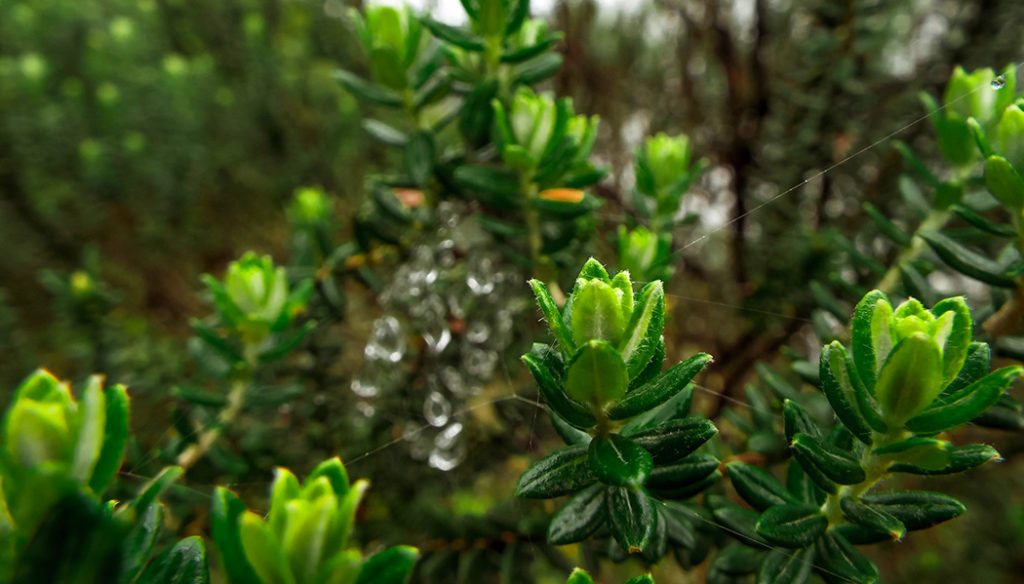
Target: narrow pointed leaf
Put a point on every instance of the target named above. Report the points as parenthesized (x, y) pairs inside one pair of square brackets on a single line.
[(785, 567), (457, 36), (1004, 182), (659, 390), (580, 517), (550, 311), (391, 566), (966, 261), (692, 469), (962, 459), (792, 526), (757, 487), (225, 514), (632, 518), (834, 557), (579, 576), (115, 437), (977, 364), (978, 397), (576, 413), (871, 517), (840, 382), (836, 466), (645, 327), (367, 91), (184, 563), (910, 379), (871, 335), (916, 509), (560, 473), (674, 439), (925, 453)]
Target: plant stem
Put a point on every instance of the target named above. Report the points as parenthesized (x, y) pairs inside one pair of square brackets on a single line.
[(236, 398), (875, 469), (533, 235)]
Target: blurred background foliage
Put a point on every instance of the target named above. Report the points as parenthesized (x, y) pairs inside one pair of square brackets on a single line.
[(144, 142)]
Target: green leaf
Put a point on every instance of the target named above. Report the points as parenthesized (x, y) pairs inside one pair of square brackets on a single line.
[(643, 332), (618, 461), (910, 379), (873, 518), (738, 560), (757, 487), (562, 472), (391, 566), (596, 313), (184, 563), (978, 397), (526, 53), (674, 439), (500, 182), (139, 543), (893, 232), (962, 458), (838, 467), (836, 557), (387, 69), (977, 364), (366, 91), (538, 69), (596, 375), (419, 156), (580, 517), (927, 453), (692, 469), (555, 397), (385, 133), (797, 420), (915, 164), (215, 341), (225, 515), (632, 518), (553, 318), (1004, 182), (288, 343), (916, 509), (966, 261), (658, 391), (736, 521), (154, 488), (579, 576), (569, 433), (841, 385), (641, 579), (456, 36), (872, 336), (263, 551), (792, 526), (958, 338), (785, 567), (984, 223), (115, 437)]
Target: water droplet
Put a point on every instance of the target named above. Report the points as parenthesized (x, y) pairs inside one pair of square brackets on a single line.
[(479, 363), (365, 409), (999, 82), (438, 339), (449, 450), (387, 341), (480, 275), (478, 331), (452, 379), (364, 387), (437, 409)]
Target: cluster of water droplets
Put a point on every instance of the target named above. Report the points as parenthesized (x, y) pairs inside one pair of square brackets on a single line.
[(456, 294)]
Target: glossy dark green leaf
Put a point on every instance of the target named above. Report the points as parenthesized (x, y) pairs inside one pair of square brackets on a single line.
[(555, 397), (632, 518), (872, 517), (778, 384), (785, 567), (580, 517), (757, 487), (618, 461), (593, 269), (641, 579), (804, 487), (652, 369), (502, 183), (1004, 182), (419, 156), (984, 223), (837, 466), (916, 509), (569, 433), (659, 390), (841, 384), (692, 469), (966, 261), (797, 420), (978, 397), (658, 545), (643, 332), (792, 526), (678, 526), (915, 163), (476, 117), (367, 91), (221, 345), (681, 492), (225, 514), (893, 232), (184, 563), (139, 542), (736, 521), (391, 566), (457, 36), (836, 559), (562, 472), (963, 458), (674, 439), (154, 488), (738, 560), (286, 343)]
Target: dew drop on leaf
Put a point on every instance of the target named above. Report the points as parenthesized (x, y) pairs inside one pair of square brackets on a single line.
[(999, 82)]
